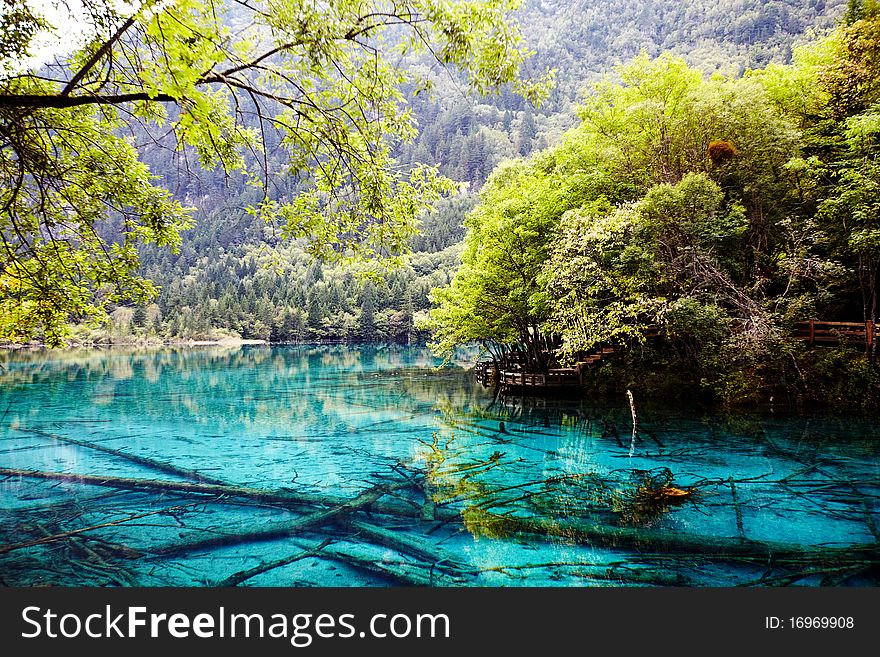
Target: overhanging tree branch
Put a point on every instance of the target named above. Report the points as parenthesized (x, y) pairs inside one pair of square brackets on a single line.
[(46, 101), (99, 54)]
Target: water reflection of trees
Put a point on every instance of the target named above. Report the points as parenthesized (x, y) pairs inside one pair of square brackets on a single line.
[(239, 387)]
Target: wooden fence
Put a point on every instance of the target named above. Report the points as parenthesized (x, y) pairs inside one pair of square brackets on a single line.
[(557, 378), (815, 332)]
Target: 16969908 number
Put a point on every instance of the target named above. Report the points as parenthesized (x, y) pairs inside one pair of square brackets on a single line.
[(821, 622)]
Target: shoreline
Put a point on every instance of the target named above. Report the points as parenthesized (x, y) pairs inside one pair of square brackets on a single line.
[(232, 342), (137, 343)]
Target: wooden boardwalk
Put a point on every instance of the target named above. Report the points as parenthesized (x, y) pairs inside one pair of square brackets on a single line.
[(512, 378)]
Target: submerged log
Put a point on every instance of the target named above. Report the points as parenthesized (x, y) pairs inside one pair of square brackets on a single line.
[(668, 542), (737, 510), (244, 575), (400, 573), (609, 574), (403, 544), (283, 498), (54, 538), (152, 464), (282, 530), (484, 523)]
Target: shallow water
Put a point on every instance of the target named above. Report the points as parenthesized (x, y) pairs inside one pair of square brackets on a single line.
[(553, 493)]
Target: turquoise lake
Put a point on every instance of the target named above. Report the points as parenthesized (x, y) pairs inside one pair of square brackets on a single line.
[(230, 465)]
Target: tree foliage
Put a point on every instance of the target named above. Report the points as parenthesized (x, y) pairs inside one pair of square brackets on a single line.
[(495, 298), (731, 208), (303, 100)]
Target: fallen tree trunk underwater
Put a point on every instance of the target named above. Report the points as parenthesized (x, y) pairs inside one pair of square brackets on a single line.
[(341, 512), (281, 498), (152, 464)]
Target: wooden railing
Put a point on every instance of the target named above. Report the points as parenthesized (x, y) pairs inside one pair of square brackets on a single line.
[(486, 371), (511, 376), (815, 332), (556, 378)]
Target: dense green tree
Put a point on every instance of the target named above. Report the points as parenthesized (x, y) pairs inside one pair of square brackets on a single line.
[(139, 318), (849, 211), (507, 122), (367, 320), (713, 210), (495, 298), (615, 272)]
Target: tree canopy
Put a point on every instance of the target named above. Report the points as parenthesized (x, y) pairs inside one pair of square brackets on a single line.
[(303, 100)]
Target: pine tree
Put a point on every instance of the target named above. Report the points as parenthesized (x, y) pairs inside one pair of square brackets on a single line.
[(315, 274), (853, 11), (139, 318), (315, 319), (527, 132), (408, 323), (367, 320), (463, 170), (507, 122)]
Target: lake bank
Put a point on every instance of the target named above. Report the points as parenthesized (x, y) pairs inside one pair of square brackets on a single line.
[(134, 343)]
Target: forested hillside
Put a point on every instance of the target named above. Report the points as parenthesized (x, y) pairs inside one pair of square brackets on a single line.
[(235, 275)]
